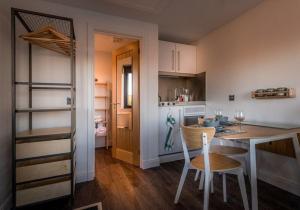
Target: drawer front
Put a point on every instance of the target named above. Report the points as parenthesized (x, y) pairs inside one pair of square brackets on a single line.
[(40, 171), (42, 148), (42, 193)]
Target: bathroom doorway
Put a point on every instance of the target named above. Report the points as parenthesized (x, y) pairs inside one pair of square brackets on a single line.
[(116, 97)]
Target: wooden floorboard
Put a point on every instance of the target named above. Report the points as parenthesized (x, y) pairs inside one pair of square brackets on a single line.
[(120, 186)]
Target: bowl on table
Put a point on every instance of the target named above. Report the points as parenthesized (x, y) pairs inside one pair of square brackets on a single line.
[(211, 123)]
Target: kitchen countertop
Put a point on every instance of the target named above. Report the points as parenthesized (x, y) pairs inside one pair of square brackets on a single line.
[(190, 103)]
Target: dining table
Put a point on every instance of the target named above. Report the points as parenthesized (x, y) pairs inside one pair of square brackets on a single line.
[(257, 134)]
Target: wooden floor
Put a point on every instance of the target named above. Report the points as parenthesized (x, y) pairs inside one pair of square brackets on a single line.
[(120, 186)]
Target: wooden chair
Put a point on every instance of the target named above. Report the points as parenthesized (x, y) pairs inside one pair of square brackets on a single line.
[(228, 151), (208, 163)]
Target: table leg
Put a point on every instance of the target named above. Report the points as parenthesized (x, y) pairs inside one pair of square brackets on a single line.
[(253, 176), (296, 148)]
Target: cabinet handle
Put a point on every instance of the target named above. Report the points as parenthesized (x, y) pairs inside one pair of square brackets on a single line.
[(179, 119), (178, 57), (173, 59)]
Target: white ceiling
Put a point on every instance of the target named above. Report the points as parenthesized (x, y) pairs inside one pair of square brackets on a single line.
[(178, 20), (109, 43)]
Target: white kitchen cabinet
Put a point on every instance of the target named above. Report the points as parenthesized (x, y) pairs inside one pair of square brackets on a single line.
[(179, 58), (166, 56), (177, 113), (186, 59)]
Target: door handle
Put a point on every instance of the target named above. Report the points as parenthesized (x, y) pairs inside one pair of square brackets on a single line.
[(173, 59), (179, 119), (178, 60)]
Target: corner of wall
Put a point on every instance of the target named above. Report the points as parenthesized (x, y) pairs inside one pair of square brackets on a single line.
[(7, 204)]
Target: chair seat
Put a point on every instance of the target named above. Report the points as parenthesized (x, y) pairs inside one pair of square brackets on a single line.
[(217, 162), (227, 150)]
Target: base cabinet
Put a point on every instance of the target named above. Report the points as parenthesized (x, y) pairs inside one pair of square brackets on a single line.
[(177, 113)]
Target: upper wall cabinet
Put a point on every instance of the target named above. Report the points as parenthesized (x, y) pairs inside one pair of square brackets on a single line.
[(179, 58), (166, 61)]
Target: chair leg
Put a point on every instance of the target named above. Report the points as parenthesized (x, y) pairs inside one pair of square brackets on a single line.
[(182, 180), (224, 188), (206, 191), (243, 189), (197, 175), (212, 182), (245, 165), (201, 183)]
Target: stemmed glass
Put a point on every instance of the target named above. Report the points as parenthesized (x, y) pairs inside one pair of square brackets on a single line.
[(240, 117), (219, 114)]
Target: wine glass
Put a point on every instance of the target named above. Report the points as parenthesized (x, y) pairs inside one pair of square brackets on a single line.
[(240, 117), (218, 114)]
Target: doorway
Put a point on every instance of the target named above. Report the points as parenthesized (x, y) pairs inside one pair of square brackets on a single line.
[(116, 97)]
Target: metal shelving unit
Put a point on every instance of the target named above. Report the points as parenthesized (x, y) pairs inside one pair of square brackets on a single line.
[(105, 109), (43, 159)]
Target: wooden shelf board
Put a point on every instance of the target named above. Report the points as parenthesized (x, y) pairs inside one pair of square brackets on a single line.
[(43, 159), (57, 109), (44, 84), (50, 88), (43, 132), (101, 96), (272, 97), (101, 84), (42, 182), (104, 122), (101, 110)]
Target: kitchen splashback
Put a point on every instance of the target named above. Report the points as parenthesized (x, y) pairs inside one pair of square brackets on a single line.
[(195, 84)]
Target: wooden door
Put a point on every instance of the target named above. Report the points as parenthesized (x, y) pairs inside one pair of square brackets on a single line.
[(186, 59), (166, 61), (125, 104)]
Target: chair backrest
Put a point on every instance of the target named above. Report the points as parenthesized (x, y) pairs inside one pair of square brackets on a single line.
[(196, 138), (193, 136)]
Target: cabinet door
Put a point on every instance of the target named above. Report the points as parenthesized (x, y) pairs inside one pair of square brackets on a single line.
[(186, 59), (163, 129), (166, 59)]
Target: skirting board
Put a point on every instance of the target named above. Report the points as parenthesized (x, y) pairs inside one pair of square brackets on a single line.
[(145, 164), (280, 182), (85, 177), (176, 156), (6, 205)]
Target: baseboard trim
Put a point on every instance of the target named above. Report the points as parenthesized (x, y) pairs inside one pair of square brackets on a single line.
[(85, 177), (279, 182), (7, 204), (145, 164), (176, 156)]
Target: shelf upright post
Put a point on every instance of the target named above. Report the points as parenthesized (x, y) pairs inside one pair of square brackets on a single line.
[(30, 84), (73, 116), (13, 105)]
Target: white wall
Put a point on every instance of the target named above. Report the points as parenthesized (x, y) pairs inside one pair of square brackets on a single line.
[(260, 49), (148, 33), (103, 66), (5, 110), (103, 72)]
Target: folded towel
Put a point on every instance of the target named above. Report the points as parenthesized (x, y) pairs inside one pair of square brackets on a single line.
[(101, 131)]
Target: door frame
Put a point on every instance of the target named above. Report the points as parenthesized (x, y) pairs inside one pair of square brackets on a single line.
[(148, 40)]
